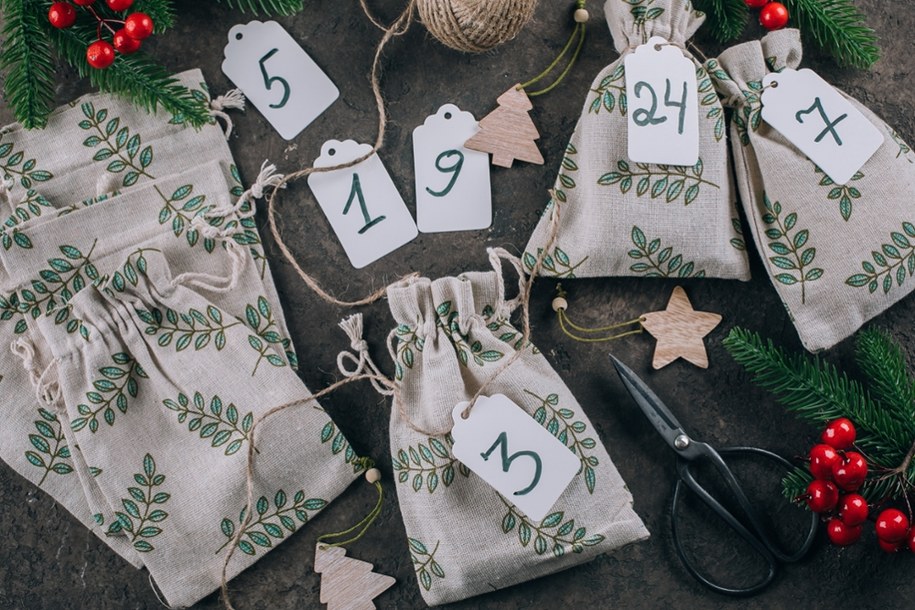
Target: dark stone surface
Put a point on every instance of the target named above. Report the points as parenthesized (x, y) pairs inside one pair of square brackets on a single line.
[(48, 560)]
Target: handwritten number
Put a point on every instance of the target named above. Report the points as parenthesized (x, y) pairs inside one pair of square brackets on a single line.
[(356, 193), (454, 169), (644, 117), (502, 443), (830, 125), (269, 80), (681, 105)]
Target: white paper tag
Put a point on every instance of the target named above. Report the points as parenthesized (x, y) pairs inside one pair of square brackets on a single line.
[(361, 203), (514, 454), (820, 122), (663, 102), (452, 182), (278, 76)]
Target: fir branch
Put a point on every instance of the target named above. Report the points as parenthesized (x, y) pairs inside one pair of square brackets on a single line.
[(727, 18), (266, 7), (162, 13), (837, 26), (137, 78), (26, 59), (883, 363)]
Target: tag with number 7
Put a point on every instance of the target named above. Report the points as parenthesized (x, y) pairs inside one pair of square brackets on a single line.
[(277, 76)]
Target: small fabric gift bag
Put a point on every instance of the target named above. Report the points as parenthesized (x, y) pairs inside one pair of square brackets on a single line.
[(465, 538), (610, 216), (837, 254)]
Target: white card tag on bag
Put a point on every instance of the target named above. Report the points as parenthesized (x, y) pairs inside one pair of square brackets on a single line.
[(822, 123), (361, 203), (661, 90), (452, 182), (278, 76), (514, 454)]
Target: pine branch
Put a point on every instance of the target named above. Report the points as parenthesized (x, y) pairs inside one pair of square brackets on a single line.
[(726, 18), (883, 363), (266, 7), (26, 60), (837, 26), (135, 77), (162, 13)]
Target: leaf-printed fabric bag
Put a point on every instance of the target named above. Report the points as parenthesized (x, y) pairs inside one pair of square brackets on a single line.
[(164, 350), (465, 538), (837, 254), (610, 216)]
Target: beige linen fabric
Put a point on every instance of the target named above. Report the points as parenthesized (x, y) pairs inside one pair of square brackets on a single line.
[(621, 218), (838, 255)]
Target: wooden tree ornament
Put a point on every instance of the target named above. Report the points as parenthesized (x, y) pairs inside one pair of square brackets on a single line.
[(680, 330), (347, 583), (508, 133)]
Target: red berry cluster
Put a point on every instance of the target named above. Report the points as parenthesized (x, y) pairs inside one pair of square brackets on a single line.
[(836, 469), (133, 30), (773, 16)]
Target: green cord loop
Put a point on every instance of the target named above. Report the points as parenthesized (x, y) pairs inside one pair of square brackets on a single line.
[(362, 527), (578, 32)]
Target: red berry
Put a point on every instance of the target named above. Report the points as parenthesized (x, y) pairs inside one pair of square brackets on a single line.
[(892, 525), (138, 25), (853, 509), (756, 3), (822, 460), (912, 540), (822, 496), (841, 534), (890, 547), (100, 54), (119, 5), (124, 43), (84, 2), (839, 434), (850, 471), (773, 16), (61, 15)]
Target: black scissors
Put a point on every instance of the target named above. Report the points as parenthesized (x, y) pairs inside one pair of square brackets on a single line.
[(749, 526)]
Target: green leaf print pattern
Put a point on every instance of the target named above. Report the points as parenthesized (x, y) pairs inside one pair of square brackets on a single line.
[(643, 11), (118, 383), (115, 145), (561, 423), (219, 423), (428, 464), (504, 331), (668, 182), (142, 509), (738, 242), (339, 444), (904, 149), (554, 533), (665, 264), (895, 260), (708, 98), (557, 264), (408, 345), (424, 563), (845, 194), (748, 116), (270, 524), (449, 323), (565, 180), (51, 451), (15, 166), (610, 93), (259, 318), (9, 312), (195, 329), (179, 210), (791, 255)]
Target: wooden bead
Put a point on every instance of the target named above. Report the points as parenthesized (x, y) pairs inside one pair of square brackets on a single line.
[(581, 15), (560, 303), (373, 475)]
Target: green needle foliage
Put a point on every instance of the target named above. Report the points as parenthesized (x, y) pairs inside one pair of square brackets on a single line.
[(727, 18), (815, 391), (29, 43)]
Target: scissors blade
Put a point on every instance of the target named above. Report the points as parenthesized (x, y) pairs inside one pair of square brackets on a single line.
[(652, 406)]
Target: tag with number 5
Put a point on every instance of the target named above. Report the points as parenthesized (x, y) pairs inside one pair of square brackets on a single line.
[(508, 449), (277, 76), (361, 203)]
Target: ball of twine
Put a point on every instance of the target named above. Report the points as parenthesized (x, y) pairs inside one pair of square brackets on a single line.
[(474, 26)]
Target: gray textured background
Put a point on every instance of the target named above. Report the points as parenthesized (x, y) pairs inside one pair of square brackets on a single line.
[(47, 560)]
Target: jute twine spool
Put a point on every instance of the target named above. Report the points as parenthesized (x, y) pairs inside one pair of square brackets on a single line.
[(475, 26)]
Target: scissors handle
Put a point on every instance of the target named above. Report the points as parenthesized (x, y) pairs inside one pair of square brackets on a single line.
[(752, 531)]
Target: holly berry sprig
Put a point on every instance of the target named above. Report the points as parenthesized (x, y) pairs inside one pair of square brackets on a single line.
[(126, 39), (772, 15)]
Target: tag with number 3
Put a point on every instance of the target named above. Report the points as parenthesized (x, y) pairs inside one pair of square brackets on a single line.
[(277, 76)]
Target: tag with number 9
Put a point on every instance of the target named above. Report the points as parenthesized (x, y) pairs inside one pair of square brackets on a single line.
[(277, 76)]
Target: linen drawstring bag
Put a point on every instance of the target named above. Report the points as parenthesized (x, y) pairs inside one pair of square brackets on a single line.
[(837, 254), (465, 539), (610, 216), (164, 355)]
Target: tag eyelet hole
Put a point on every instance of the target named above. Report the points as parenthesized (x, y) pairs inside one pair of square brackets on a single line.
[(774, 84), (447, 115), (658, 47), (465, 415), (332, 152), (239, 36)]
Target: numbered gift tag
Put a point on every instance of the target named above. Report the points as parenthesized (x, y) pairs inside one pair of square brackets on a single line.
[(279, 78), (663, 105), (361, 202), (452, 182), (514, 454), (817, 119)]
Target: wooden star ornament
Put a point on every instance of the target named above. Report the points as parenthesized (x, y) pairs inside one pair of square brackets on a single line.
[(680, 331)]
